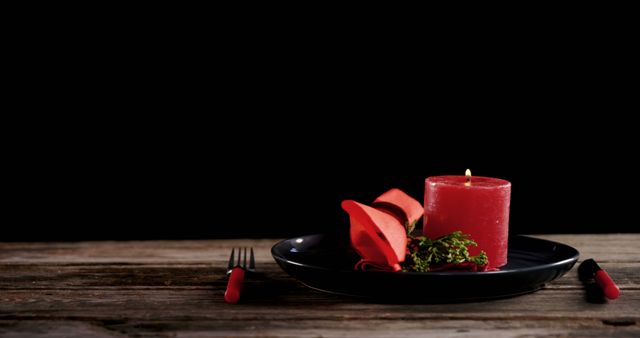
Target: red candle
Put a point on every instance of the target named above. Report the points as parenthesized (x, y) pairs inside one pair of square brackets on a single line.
[(478, 206)]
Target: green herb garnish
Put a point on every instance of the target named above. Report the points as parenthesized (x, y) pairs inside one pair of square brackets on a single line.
[(424, 254)]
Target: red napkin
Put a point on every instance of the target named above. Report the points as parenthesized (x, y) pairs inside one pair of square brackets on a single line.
[(402, 206), (378, 233)]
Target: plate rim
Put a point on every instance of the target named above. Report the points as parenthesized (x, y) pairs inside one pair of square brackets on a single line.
[(573, 259)]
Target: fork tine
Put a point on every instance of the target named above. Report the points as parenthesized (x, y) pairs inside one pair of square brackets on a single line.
[(244, 263), (231, 259), (252, 261), (239, 256)]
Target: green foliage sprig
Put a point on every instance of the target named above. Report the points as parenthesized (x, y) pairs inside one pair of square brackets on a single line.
[(424, 254)]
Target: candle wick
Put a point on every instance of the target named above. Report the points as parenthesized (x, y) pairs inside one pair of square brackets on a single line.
[(467, 174)]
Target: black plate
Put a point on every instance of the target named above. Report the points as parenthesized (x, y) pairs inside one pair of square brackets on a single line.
[(326, 263)]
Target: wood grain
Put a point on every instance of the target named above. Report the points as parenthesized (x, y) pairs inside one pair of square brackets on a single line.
[(175, 288)]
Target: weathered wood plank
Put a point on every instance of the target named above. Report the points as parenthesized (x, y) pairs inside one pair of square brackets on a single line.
[(176, 287), (26, 276), (320, 328), (603, 247), (625, 275), (264, 303), (130, 252)]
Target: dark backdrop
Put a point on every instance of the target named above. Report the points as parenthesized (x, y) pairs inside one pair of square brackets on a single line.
[(160, 133), (274, 176)]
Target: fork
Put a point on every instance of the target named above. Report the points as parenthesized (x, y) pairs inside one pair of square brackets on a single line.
[(236, 272)]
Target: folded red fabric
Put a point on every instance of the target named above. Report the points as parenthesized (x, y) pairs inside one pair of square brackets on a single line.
[(378, 232), (404, 207), (370, 266)]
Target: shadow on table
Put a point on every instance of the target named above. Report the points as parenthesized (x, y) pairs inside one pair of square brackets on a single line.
[(275, 288)]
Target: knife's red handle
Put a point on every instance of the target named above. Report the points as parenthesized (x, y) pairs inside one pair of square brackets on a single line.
[(608, 286), (232, 295)]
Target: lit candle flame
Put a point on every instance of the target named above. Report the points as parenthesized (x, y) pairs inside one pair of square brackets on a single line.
[(467, 174)]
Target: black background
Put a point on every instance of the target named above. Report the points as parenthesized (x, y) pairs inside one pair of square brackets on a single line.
[(274, 176), (147, 137)]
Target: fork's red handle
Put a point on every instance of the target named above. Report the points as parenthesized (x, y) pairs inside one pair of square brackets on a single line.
[(232, 295)]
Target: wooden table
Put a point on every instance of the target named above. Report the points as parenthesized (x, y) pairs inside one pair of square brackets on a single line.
[(167, 288)]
